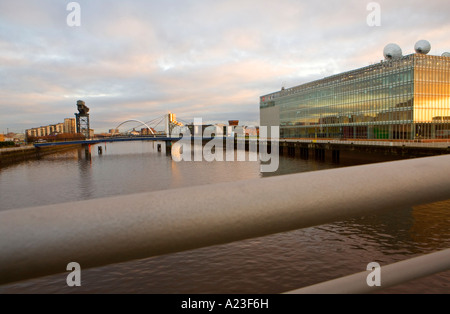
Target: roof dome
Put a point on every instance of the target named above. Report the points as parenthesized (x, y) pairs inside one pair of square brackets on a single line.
[(392, 51), (423, 47)]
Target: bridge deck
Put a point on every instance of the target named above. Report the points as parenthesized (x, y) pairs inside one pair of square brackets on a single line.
[(107, 140)]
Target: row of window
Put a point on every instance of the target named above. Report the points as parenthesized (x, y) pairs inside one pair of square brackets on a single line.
[(406, 131)]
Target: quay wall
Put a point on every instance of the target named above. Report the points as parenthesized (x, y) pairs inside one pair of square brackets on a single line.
[(17, 154)]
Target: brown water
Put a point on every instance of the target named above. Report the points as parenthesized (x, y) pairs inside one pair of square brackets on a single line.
[(271, 264)]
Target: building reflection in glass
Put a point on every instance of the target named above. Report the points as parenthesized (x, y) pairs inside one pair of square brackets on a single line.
[(406, 98)]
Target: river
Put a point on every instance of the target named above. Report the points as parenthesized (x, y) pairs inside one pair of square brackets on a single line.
[(270, 264)]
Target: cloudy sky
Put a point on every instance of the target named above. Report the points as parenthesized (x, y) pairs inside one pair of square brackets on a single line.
[(197, 58)]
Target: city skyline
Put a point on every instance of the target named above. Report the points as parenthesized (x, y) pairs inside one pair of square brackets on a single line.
[(138, 60)]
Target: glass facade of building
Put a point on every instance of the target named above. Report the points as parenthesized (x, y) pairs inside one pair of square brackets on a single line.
[(407, 98)]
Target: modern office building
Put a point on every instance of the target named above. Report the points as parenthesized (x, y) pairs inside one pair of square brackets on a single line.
[(402, 97)]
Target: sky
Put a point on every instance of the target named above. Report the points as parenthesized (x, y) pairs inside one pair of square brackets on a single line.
[(196, 58)]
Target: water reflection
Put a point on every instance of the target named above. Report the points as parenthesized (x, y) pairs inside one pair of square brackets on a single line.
[(85, 184), (388, 231), (431, 225)]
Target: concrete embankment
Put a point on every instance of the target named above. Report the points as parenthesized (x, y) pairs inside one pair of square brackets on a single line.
[(18, 154)]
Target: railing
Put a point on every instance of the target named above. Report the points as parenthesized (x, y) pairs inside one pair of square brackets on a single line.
[(393, 275), (43, 240)]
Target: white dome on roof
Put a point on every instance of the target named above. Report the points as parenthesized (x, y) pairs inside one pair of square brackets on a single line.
[(392, 51), (423, 47)]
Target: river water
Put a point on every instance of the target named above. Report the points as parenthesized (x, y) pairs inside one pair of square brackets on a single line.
[(270, 264)]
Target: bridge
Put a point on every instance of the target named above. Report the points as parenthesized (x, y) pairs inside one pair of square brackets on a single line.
[(169, 124), (109, 140)]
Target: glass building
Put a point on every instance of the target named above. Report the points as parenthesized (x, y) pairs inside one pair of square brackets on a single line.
[(404, 98)]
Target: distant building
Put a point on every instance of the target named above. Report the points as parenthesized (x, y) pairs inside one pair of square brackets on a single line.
[(70, 126), (198, 130), (146, 131), (16, 137), (214, 130), (135, 133), (29, 133), (251, 131), (45, 130), (102, 135), (2, 138), (58, 128)]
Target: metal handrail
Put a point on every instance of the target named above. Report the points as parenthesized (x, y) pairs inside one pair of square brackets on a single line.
[(390, 276), (43, 240)]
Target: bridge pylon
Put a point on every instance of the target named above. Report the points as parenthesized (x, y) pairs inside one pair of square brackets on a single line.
[(170, 123)]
